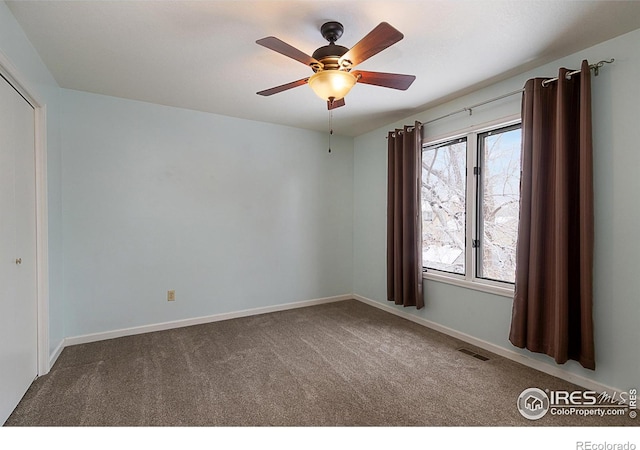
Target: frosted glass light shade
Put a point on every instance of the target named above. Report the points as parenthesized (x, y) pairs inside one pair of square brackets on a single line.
[(332, 83)]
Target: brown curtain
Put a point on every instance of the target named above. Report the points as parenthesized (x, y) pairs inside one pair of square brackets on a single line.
[(404, 240), (552, 308)]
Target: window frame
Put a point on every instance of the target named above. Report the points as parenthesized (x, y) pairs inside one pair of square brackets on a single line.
[(469, 280)]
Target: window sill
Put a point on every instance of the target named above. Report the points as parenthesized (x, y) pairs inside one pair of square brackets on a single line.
[(477, 285)]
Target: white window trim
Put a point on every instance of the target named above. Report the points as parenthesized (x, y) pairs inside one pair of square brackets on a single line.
[(469, 279)]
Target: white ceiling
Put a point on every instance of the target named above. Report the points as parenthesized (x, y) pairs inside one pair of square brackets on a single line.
[(202, 55)]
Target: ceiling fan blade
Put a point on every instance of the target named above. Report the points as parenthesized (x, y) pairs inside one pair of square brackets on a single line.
[(381, 37), (335, 104), (284, 87), (389, 80), (285, 49)]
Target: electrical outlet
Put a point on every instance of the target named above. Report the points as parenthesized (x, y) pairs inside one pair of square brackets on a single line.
[(171, 295)]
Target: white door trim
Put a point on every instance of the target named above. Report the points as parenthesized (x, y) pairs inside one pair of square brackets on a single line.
[(11, 73)]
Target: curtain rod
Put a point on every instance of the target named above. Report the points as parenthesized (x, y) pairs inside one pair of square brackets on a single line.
[(470, 108), (594, 67)]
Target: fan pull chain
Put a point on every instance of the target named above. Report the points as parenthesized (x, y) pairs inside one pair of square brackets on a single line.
[(330, 127)]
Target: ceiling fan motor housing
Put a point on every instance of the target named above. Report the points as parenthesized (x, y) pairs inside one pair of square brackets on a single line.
[(329, 55)]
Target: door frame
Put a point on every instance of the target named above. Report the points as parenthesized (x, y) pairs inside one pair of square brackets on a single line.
[(15, 78)]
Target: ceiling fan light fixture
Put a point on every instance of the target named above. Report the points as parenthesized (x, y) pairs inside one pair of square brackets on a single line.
[(332, 84)]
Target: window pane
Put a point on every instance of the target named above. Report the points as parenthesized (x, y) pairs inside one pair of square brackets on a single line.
[(443, 206), (499, 209)]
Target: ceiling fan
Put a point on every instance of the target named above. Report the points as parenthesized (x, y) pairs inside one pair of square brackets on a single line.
[(332, 64)]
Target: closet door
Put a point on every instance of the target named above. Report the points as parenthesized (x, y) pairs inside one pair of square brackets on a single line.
[(18, 294)]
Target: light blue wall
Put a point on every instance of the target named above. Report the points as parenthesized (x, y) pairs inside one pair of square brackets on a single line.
[(232, 214), (616, 115), (33, 73)]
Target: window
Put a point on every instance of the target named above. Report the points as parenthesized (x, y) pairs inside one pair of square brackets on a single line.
[(470, 206), (443, 205), (498, 203)]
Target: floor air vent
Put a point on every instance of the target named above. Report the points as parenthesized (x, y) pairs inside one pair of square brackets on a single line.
[(466, 351)]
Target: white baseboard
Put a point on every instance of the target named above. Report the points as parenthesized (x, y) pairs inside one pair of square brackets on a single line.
[(94, 337), (493, 348), (54, 355)]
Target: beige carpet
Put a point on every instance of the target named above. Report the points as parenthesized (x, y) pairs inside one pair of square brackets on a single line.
[(337, 364)]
